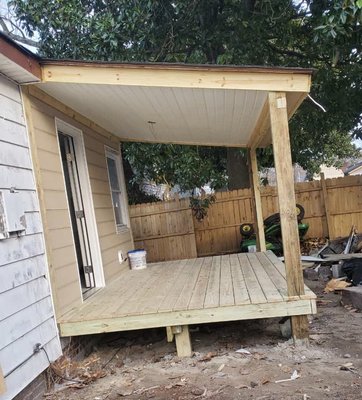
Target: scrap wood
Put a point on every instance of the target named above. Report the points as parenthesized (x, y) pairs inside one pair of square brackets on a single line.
[(349, 367), (336, 284), (293, 377)]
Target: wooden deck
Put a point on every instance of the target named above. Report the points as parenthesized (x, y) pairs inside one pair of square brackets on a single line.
[(185, 292)]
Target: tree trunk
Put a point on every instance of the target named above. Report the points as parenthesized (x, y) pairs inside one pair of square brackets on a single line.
[(237, 169)]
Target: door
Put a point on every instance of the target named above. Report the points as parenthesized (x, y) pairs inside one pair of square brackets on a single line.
[(76, 209)]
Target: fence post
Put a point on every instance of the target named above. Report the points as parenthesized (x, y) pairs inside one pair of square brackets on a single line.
[(326, 206)]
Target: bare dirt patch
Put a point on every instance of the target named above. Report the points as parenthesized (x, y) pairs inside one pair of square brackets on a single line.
[(141, 365)]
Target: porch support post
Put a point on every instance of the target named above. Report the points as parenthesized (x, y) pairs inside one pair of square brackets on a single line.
[(183, 340), (255, 188), (287, 209)]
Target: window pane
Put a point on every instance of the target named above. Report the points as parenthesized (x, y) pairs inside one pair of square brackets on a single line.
[(116, 198), (113, 176)]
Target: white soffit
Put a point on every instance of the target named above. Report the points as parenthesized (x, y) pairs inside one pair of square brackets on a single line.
[(165, 114), (15, 72)]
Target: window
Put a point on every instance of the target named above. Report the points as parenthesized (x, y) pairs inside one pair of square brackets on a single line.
[(115, 175)]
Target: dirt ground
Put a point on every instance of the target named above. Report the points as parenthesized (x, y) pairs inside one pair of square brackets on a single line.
[(142, 365)]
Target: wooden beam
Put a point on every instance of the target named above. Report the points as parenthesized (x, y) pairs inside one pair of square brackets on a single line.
[(287, 209), (183, 341), (262, 127), (326, 207), (258, 211), (182, 78), (295, 306)]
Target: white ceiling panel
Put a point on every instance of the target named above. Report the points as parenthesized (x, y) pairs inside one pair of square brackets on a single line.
[(165, 114)]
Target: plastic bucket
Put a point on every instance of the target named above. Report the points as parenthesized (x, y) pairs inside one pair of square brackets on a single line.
[(137, 259)]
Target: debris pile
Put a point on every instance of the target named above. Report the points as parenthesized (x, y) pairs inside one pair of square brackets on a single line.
[(339, 262)]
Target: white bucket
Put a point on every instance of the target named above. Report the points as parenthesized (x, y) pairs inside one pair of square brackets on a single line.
[(137, 259)]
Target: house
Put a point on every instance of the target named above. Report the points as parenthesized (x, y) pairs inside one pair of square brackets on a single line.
[(78, 113), (29, 338), (354, 169)]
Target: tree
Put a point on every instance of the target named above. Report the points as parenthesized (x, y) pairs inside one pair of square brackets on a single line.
[(323, 34)]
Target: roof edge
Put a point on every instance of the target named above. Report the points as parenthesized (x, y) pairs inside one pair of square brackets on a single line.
[(180, 66), (21, 56)]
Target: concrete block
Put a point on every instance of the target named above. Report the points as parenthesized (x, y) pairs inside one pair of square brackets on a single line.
[(352, 296), (310, 274)]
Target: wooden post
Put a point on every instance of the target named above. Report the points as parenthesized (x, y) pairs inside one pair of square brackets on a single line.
[(287, 209), (326, 207), (169, 334), (183, 340), (255, 189)]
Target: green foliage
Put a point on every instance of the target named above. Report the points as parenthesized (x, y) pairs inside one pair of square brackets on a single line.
[(200, 205), (322, 34), (190, 167)]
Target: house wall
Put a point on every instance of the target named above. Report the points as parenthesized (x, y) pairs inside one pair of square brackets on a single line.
[(26, 311), (59, 239)]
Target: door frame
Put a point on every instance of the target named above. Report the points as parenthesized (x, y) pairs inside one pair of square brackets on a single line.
[(90, 217)]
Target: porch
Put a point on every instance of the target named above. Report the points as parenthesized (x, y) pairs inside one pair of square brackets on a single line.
[(185, 292)]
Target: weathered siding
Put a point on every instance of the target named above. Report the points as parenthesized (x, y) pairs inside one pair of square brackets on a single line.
[(26, 311), (60, 246)]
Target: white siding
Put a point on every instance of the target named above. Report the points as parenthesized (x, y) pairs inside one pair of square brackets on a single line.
[(26, 309)]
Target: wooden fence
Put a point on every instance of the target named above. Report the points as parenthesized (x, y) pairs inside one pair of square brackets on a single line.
[(168, 230)]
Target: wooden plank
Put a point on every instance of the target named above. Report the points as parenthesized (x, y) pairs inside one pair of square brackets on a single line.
[(270, 291), (241, 295), (226, 283), (327, 207), (164, 288), (208, 79), (258, 211), (274, 275), (256, 293), (183, 342), (188, 289), (169, 301), (187, 317), (198, 296), (212, 297)]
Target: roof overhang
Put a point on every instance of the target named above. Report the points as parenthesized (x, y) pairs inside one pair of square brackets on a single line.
[(176, 103), (17, 63)]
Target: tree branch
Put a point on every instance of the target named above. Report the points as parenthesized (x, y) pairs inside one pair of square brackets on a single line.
[(19, 38)]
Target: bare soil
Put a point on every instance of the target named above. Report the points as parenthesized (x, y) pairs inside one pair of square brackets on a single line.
[(142, 365)]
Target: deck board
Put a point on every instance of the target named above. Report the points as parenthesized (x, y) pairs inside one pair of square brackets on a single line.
[(241, 295), (211, 289), (185, 296), (212, 298), (255, 291), (176, 289), (226, 283), (198, 296), (270, 291)]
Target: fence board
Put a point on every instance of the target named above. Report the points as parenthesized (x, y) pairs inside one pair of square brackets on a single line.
[(168, 231)]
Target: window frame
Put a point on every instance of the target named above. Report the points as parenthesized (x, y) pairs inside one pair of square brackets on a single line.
[(116, 156)]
